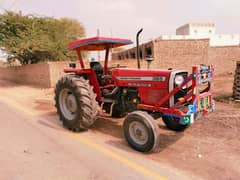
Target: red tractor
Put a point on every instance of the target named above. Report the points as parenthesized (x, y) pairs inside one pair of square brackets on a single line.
[(142, 95)]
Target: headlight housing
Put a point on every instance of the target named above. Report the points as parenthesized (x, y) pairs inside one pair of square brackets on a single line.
[(179, 79)]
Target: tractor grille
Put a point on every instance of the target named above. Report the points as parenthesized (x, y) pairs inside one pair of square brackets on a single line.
[(182, 92)]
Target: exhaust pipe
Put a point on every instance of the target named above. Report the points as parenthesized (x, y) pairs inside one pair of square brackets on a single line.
[(138, 51)]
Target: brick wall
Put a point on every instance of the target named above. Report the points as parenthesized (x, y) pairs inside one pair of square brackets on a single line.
[(224, 58), (33, 74), (132, 63), (43, 75), (180, 54), (56, 70), (183, 54)]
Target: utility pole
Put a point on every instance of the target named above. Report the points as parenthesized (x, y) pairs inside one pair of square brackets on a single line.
[(111, 35), (98, 34)]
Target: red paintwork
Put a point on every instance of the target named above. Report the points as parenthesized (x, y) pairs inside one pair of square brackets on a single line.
[(161, 109), (80, 59), (106, 62), (154, 93), (92, 79), (94, 43), (174, 91), (193, 93), (148, 95)]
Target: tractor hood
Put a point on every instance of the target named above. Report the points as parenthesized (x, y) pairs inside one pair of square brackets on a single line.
[(124, 76), (131, 73)]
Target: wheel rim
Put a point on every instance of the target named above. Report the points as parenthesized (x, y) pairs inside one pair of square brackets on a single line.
[(138, 132), (68, 104)]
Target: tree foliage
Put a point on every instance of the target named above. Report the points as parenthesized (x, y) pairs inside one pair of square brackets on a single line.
[(31, 39)]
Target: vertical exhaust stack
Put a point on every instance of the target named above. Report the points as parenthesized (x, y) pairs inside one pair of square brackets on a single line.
[(138, 51)]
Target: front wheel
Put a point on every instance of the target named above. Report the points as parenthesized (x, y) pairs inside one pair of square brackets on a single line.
[(141, 131), (173, 123)]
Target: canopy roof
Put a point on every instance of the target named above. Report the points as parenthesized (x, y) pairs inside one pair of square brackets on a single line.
[(98, 43)]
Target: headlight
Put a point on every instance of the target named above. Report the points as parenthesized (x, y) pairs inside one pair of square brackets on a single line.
[(179, 79)]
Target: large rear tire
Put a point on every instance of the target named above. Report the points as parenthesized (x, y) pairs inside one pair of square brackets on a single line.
[(173, 123), (75, 102), (141, 132)]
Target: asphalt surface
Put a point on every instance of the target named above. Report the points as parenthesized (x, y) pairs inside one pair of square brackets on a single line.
[(34, 147)]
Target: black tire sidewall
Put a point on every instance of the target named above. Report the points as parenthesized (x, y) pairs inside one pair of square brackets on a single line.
[(73, 89), (149, 144), (173, 124)]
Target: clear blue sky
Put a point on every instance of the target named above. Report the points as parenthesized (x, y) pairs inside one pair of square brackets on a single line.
[(122, 18)]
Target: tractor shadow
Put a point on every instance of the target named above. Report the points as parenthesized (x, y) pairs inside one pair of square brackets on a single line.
[(109, 126), (113, 127), (167, 137)]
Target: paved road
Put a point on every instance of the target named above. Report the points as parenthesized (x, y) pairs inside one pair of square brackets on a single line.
[(39, 148)]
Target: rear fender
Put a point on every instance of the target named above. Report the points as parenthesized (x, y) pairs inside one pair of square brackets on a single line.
[(91, 76)]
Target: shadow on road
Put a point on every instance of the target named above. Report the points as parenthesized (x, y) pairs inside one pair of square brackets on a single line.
[(113, 127)]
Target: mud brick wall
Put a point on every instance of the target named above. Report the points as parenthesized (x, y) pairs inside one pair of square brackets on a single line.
[(224, 58), (44, 75), (177, 54), (183, 54), (180, 54), (33, 74), (56, 70), (236, 85), (131, 63)]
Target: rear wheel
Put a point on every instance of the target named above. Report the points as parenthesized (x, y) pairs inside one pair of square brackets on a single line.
[(141, 132), (75, 102), (173, 123)]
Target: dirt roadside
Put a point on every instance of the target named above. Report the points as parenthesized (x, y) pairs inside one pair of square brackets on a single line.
[(208, 149)]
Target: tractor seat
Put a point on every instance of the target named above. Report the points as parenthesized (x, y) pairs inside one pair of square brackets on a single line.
[(97, 67)]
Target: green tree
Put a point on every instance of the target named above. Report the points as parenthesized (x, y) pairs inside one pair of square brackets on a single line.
[(31, 39)]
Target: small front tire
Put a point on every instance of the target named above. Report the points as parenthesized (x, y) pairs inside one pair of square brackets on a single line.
[(141, 132), (173, 123)]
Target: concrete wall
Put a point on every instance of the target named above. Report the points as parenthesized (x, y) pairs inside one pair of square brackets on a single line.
[(225, 40), (183, 30), (205, 29), (215, 40)]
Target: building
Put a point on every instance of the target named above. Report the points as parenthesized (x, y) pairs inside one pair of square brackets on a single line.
[(197, 29), (194, 43), (205, 30)]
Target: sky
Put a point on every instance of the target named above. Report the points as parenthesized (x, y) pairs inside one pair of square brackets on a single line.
[(123, 18)]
